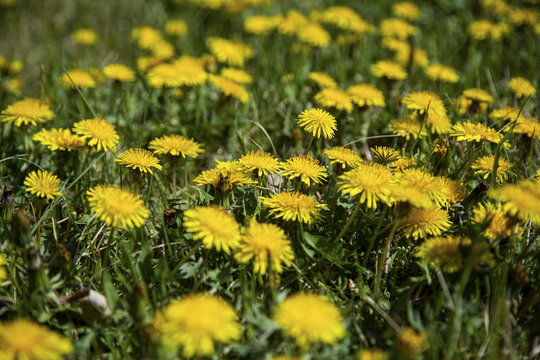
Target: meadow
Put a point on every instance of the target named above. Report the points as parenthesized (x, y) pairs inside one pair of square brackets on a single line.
[(269, 179)]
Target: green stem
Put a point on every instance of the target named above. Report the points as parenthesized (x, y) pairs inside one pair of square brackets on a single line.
[(382, 259), (349, 222)]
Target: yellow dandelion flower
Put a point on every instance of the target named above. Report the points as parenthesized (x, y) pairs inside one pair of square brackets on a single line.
[(223, 179), (406, 10), (231, 88), (314, 35), (410, 343), (419, 188), (99, 132), (454, 191), (196, 322), (397, 28), (526, 125), (163, 50), (261, 24), (304, 167), (176, 145), (117, 207), (309, 318), (403, 163), (285, 358), (237, 75), (176, 27), (469, 131), (478, 95), (521, 87), (28, 111), (509, 113), (440, 72), (343, 156), (262, 162), (43, 184), (484, 167), (119, 72), (84, 36), (293, 206), (410, 126), (442, 252), (341, 16), (334, 98), (164, 75), (497, 222), (15, 84), (318, 123), (3, 272), (438, 123), (521, 199), (322, 79), (77, 77), (366, 95), (24, 339), (190, 71), (292, 22), (425, 101), (265, 243), (231, 52), (139, 159), (388, 69), (59, 139), (145, 63), (214, 226), (370, 181), (372, 354), (484, 29), (523, 16), (419, 223), (146, 36), (385, 154)]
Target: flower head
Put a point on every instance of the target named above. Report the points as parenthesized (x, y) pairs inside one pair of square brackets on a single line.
[(3, 273), (443, 73), (469, 131), (370, 181), (521, 199), (84, 36), (521, 87), (265, 243), (43, 184), (304, 167), (190, 71), (419, 188), (484, 166), (494, 217), (99, 132), (237, 75), (397, 28), (27, 112), (406, 10), (314, 34), (176, 27), (139, 159), (214, 226), (388, 69), (262, 162), (484, 29), (425, 101), (59, 139), (146, 36), (343, 156), (410, 343), (230, 88), (526, 125), (24, 339), (77, 78), (322, 79), (261, 24), (509, 113), (421, 222), (366, 95), (234, 53), (117, 207), (176, 145), (310, 318), (372, 354), (292, 22), (293, 206), (442, 252), (410, 126), (223, 179), (196, 322), (164, 75), (334, 98), (385, 154), (478, 96), (318, 122), (119, 72)]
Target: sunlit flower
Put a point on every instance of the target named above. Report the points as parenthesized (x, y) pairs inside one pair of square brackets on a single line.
[(293, 206), (176, 27), (509, 113), (484, 167), (397, 28), (77, 78), (404, 162), (406, 10), (25, 340), (139, 159), (196, 322), (304, 167), (176, 145), (214, 226), (440, 72), (526, 125), (119, 72), (366, 95), (27, 112), (523, 16), (410, 126), (190, 71), (84, 36), (442, 252), (161, 75), (99, 132), (292, 22), (59, 139), (117, 207), (322, 79), (521, 87), (469, 131), (146, 36), (313, 34), (262, 162), (261, 24), (265, 243), (318, 123), (343, 17), (343, 156), (388, 69), (484, 29), (309, 318), (410, 343), (238, 75), (334, 98), (419, 223), (478, 96), (234, 53), (419, 188), (231, 88), (425, 101), (223, 179), (370, 181), (495, 219), (521, 199), (43, 184), (385, 154)]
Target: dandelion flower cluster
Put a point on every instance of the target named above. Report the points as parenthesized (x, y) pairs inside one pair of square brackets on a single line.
[(293, 206), (318, 122), (27, 112), (484, 166), (43, 183), (497, 222), (139, 159)]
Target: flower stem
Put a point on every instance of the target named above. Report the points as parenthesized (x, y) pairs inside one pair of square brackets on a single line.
[(382, 259), (349, 222)]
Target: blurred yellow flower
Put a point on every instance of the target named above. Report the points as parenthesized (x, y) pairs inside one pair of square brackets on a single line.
[(406, 10), (314, 34), (521, 87), (231, 88), (231, 52), (388, 69), (322, 79), (84, 36), (176, 27), (176, 145), (119, 72), (335, 98), (139, 159), (28, 111), (59, 139), (343, 156), (440, 72), (79, 78), (419, 223), (364, 95), (484, 167), (43, 183), (521, 199)]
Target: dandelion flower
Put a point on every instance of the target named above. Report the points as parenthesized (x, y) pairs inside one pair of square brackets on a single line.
[(77, 78), (372, 354), (318, 123), (139, 159), (223, 179), (237, 75), (404, 162), (59, 139), (385, 154), (484, 167), (526, 125), (196, 322), (498, 222), (146, 36), (27, 112), (231, 88), (370, 181), (261, 24), (389, 70), (469, 131), (176, 145), (425, 101), (419, 188), (43, 184), (117, 207), (190, 71), (314, 34), (334, 98), (176, 27), (99, 132), (341, 16), (322, 79), (410, 343), (24, 339), (521, 87), (3, 273), (292, 22), (262, 162), (309, 318), (343, 156), (478, 96), (364, 95), (304, 167), (214, 226), (419, 223), (406, 10), (119, 72), (265, 243), (164, 75), (484, 29), (509, 113), (440, 72), (231, 52), (410, 126), (84, 36), (293, 206), (397, 28), (521, 199), (442, 252)]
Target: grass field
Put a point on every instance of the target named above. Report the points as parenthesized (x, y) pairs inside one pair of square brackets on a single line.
[(269, 179)]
